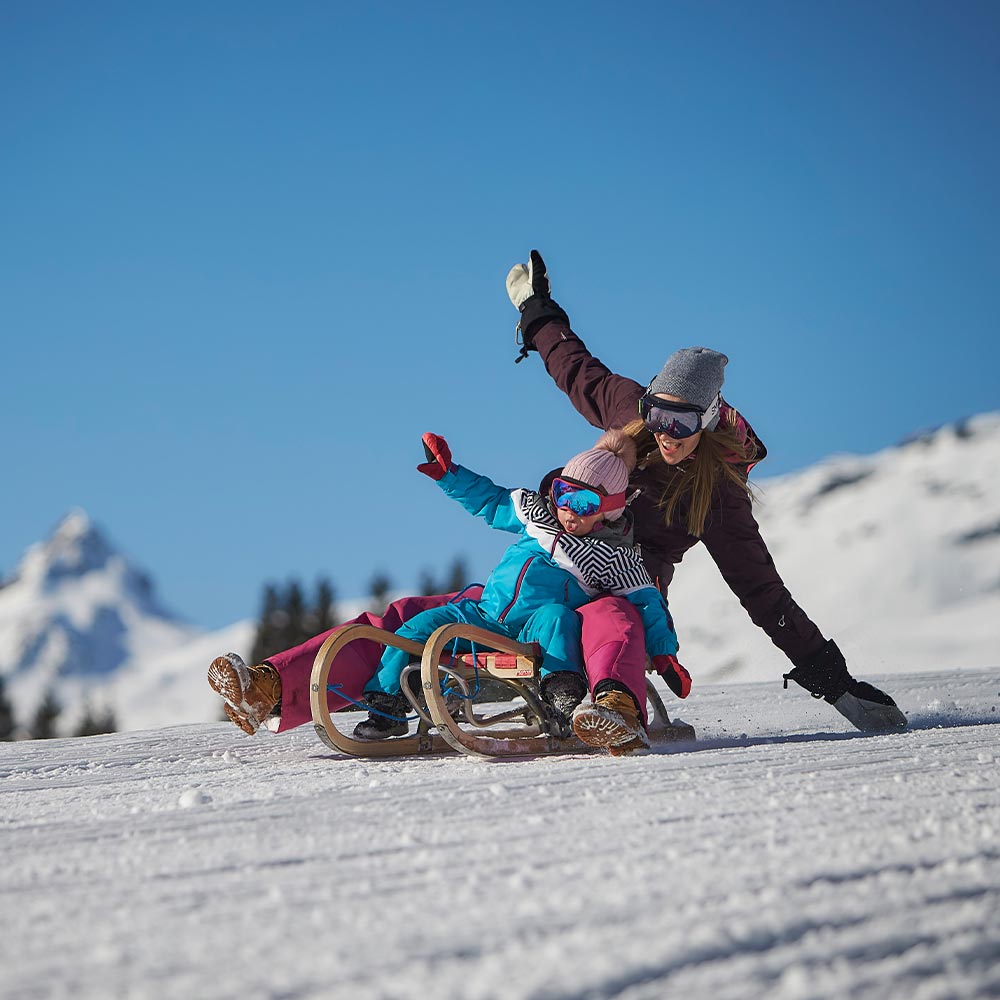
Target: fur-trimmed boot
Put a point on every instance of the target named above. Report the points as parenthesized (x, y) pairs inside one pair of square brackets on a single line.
[(250, 693), (611, 722)]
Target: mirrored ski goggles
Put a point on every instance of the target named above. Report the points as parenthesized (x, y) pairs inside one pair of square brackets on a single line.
[(582, 499), (676, 420)]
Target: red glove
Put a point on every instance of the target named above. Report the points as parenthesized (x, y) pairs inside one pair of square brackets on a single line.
[(677, 678), (438, 456)]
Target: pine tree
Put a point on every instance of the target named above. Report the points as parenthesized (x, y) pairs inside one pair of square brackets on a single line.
[(325, 615), (379, 587), (269, 626), (286, 620), (7, 724), (94, 723), (458, 576), (318, 616), (43, 725), (295, 607), (454, 580), (426, 585)]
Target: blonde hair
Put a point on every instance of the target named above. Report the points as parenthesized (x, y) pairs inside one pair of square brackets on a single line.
[(717, 459)]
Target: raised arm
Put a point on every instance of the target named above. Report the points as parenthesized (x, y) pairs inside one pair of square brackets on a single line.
[(479, 495), (603, 398)]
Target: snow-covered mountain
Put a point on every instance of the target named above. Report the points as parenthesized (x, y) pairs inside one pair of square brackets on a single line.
[(895, 555), (79, 620)]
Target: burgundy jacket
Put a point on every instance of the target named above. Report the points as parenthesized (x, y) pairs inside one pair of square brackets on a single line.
[(731, 534)]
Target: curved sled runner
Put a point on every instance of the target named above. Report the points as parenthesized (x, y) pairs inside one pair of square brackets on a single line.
[(448, 716)]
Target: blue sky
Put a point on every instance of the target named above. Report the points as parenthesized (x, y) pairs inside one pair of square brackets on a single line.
[(251, 251)]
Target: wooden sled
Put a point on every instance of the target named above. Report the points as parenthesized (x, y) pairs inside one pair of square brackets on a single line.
[(451, 719)]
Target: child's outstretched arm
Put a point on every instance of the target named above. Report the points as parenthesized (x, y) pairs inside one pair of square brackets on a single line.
[(477, 494)]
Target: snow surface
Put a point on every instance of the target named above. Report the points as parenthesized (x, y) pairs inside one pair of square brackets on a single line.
[(782, 856)]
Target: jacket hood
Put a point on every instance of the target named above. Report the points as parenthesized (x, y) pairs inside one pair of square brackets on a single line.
[(736, 420)]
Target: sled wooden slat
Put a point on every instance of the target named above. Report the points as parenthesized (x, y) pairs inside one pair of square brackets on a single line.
[(423, 742)]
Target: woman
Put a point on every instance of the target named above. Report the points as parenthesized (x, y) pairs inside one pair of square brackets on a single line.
[(695, 452)]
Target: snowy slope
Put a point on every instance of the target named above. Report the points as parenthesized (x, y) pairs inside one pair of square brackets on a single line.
[(782, 857)]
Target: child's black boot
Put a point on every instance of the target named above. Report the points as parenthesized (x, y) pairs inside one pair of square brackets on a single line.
[(386, 716), (562, 691)]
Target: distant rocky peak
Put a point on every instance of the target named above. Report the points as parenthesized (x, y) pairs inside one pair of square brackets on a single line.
[(75, 547), (963, 430)]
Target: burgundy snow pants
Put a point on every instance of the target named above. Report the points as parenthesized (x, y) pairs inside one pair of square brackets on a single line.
[(613, 640)]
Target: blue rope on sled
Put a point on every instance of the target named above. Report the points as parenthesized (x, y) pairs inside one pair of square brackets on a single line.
[(338, 689)]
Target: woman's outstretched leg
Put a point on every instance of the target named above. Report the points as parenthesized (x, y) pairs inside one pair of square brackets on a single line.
[(351, 670)]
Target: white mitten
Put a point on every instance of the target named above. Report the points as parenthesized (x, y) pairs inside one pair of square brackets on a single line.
[(525, 280)]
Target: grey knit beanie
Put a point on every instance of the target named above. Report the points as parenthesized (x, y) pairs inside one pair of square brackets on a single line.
[(694, 374)]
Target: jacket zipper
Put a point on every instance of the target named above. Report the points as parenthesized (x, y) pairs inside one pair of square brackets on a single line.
[(517, 589)]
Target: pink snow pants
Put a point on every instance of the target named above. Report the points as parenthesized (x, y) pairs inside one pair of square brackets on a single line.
[(614, 647)]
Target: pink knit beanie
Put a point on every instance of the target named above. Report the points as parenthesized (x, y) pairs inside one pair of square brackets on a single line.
[(607, 465)]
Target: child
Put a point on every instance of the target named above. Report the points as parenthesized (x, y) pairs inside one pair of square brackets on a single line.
[(575, 543)]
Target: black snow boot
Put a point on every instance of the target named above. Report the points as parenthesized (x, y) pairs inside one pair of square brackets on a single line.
[(862, 704), (386, 717), (562, 691)]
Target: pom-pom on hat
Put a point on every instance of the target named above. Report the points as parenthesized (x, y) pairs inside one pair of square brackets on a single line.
[(694, 374), (607, 465)]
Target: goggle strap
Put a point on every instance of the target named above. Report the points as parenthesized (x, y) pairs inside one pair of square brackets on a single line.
[(614, 501), (712, 412)]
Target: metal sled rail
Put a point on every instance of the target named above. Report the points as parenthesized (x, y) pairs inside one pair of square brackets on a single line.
[(480, 741)]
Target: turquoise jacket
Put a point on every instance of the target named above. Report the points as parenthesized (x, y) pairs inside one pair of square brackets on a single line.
[(547, 565)]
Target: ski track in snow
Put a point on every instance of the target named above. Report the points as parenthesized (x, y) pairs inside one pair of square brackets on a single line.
[(780, 856)]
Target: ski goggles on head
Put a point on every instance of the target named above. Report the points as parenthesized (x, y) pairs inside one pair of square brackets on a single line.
[(676, 420), (582, 499)]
